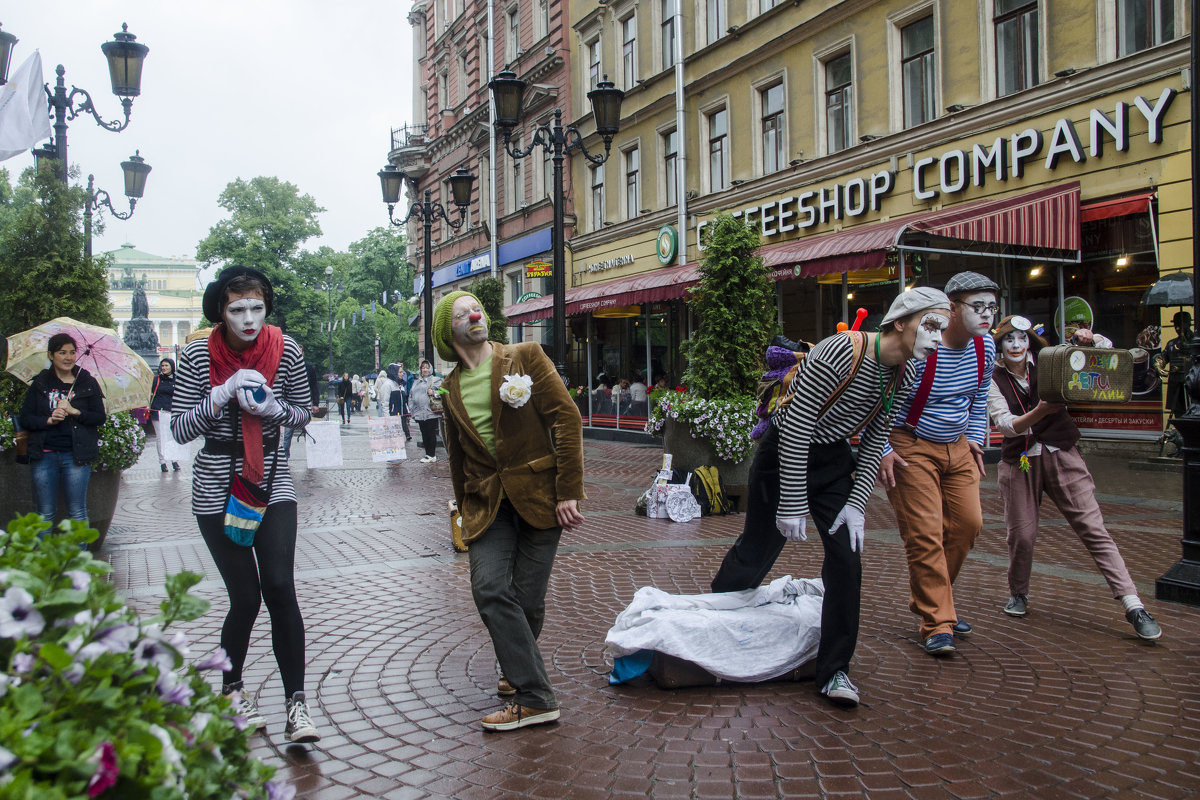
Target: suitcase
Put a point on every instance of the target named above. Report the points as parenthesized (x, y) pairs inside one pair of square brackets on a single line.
[(1069, 374)]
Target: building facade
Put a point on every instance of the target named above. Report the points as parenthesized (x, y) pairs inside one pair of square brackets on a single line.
[(877, 146), (171, 292)]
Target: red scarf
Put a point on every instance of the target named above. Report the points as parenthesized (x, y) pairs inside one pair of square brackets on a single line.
[(223, 361)]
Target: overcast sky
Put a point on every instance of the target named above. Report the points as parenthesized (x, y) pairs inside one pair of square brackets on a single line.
[(304, 91)]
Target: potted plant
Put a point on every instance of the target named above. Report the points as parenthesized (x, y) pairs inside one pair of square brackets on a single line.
[(709, 422), (98, 703)]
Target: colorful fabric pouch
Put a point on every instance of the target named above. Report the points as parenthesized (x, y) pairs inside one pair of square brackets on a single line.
[(244, 510)]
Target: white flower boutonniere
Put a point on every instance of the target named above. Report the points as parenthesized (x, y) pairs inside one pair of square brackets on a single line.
[(516, 390)]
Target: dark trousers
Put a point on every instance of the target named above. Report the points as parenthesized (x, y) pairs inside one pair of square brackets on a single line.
[(830, 467), (261, 573), (429, 434), (510, 572)]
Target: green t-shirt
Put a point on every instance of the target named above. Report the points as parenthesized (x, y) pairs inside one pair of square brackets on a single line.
[(475, 385)]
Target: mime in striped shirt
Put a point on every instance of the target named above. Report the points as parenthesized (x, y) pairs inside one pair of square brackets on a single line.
[(934, 459), (803, 465)]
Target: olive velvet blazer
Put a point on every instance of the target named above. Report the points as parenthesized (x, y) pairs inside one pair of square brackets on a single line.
[(539, 446)]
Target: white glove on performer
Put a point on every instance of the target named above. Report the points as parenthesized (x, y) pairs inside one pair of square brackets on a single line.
[(792, 528), (259, 400), (856, 521), (221, 395)]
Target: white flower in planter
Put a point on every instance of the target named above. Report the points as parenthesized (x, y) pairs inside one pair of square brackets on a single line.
[(516, 390)]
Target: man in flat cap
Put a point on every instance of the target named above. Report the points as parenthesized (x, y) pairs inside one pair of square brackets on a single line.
[(847, 383), (933, 461), (515, 442)]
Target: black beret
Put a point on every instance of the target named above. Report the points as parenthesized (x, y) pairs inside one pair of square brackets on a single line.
[(215, 291)]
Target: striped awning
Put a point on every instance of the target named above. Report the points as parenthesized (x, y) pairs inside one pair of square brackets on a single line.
[(1047, 219)]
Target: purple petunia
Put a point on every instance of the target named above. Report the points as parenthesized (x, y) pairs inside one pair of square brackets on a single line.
[(79, 579), (173, 690), (218, 659), (22, 663), (280, 790), (18, 617)]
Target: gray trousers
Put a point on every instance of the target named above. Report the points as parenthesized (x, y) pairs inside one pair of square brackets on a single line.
[(510, 571)]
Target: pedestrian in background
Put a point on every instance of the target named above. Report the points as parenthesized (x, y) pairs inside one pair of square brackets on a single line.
[(515, 442), (384, 386), (399, 398), (356, 390), (160, 400), (236, 388), (345, 391), (424, 387)]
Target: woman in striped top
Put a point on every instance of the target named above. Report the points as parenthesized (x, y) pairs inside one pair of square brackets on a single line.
[(804, 465), (236, 389)]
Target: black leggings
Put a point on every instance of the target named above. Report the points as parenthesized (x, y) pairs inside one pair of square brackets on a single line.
[(263, 572), (429, 434)]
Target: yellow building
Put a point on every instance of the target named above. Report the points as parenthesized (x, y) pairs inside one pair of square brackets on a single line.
[(172, 293), (881, 144)]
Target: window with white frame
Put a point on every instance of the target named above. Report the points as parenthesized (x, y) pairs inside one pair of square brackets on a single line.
[(592, 49), (918, 71), (485, 187), (483, 60), (774, 137), (670, 155), (715, 20), (1142, 24), (512, 34), (516, 286), (839, 102), (461, 77), (547, 175), (443, 80), (629, 51), (541, 19), (767, 5), (539, 162), (514, 192), (1016, 24), (596, 197), (667, 33), (717, 123), (633, 186)]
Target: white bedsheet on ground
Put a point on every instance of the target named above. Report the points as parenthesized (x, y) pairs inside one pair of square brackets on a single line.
[(748, 636)]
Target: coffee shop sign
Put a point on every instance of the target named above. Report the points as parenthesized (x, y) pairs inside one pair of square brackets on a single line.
[(954, 170), (600, 266)]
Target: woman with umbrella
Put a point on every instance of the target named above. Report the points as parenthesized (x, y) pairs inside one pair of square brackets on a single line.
[(236, 389), (63, 412)]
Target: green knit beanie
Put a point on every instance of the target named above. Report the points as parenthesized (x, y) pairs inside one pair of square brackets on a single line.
[(443, 333)]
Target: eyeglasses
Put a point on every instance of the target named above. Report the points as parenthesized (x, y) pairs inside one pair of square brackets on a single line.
[(980, 307)]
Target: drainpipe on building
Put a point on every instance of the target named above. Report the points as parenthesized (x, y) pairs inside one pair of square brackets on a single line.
[(491, 71), (681, 159)]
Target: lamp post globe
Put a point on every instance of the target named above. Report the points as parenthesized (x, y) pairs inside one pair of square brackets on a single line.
[(8, 43), (136, 169)]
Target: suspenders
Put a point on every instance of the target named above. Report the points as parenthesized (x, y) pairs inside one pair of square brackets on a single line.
[(922, 396)]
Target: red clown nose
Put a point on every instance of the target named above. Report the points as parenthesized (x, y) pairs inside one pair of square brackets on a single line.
[(475, 316)]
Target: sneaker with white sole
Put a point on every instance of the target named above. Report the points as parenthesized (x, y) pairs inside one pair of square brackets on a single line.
[(244, 706), (840, 690), (300, 727), (1143, 624), (1017, 605), (515, 715)]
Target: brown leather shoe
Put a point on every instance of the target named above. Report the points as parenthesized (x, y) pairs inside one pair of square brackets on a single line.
[(514, 716), (504, 688)]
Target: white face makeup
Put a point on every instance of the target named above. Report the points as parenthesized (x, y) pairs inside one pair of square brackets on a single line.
[(929, 334), (1015, 346), (978, 312), (466, 322), (245, 315)]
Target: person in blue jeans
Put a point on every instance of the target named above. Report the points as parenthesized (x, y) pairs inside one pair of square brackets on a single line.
[(63, 411)]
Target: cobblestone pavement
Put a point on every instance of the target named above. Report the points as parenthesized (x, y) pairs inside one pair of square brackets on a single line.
[(1065, 702)]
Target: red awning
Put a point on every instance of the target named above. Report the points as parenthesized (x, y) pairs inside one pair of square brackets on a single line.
[(1116, 207), (654, 286)]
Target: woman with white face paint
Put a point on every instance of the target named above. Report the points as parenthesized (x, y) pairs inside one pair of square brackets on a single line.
[(1038, 458), (803, 465), (236, 388)]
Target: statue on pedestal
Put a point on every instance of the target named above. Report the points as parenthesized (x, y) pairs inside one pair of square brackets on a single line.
[(139, 333)]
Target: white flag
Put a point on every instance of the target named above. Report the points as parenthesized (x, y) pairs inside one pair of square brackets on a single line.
[(24, 112)]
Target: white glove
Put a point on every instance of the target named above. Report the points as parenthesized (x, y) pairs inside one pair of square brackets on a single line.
[(221, 395), (856, 521), (258, 400), (792, 528)]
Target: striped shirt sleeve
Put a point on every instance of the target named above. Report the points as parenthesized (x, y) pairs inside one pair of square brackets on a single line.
[(193, 415)]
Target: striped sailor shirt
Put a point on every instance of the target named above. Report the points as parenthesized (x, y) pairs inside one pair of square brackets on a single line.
[(193, 415), (801, 422)]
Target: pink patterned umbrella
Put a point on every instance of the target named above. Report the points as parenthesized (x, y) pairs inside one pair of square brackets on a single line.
[(124, 376)]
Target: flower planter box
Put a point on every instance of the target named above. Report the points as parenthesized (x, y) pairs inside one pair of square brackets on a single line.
[(16, 496), (688, 452)]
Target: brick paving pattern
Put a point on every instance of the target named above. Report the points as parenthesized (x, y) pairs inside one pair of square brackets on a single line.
[(1065, 702)]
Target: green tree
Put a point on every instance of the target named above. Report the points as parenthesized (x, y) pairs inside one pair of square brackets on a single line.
[(268, 222), (734, 305), (381, 266), (43, 271), (490, 292)]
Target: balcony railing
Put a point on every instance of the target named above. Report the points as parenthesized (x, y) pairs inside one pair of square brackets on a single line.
[(409, 135)]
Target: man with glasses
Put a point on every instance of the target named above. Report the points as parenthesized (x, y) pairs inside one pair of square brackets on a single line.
[(933, 460)]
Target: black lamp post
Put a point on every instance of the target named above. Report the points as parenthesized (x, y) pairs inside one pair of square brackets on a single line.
[(391, 180), (329, 301), (1181, 582), (507, 93), (136, 169)]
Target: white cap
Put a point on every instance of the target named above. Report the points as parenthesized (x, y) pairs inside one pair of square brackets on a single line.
[(914, 300)]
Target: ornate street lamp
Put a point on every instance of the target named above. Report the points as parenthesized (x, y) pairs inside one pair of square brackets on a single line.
[(507, 93), (7, 43), (136, 169), (391, 180)]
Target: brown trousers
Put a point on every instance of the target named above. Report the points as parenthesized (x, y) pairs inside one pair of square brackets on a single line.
[(936, 500)]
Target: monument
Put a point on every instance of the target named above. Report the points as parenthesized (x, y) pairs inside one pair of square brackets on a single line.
[(139, 333)]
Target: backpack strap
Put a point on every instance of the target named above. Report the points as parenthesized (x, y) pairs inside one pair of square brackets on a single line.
[(858, 344)]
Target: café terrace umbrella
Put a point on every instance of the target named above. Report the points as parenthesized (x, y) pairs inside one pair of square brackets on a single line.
[(124, 376), (1174, 289)]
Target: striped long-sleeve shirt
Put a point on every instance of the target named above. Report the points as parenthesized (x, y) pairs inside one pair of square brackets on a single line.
[(801, 422), (957, 401), (193, 415)]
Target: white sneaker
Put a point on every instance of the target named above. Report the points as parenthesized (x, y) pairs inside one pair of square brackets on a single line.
[(244, 706), (840, 690), (300, 727)]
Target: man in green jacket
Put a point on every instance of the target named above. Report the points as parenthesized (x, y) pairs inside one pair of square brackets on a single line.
[(515, 442)]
